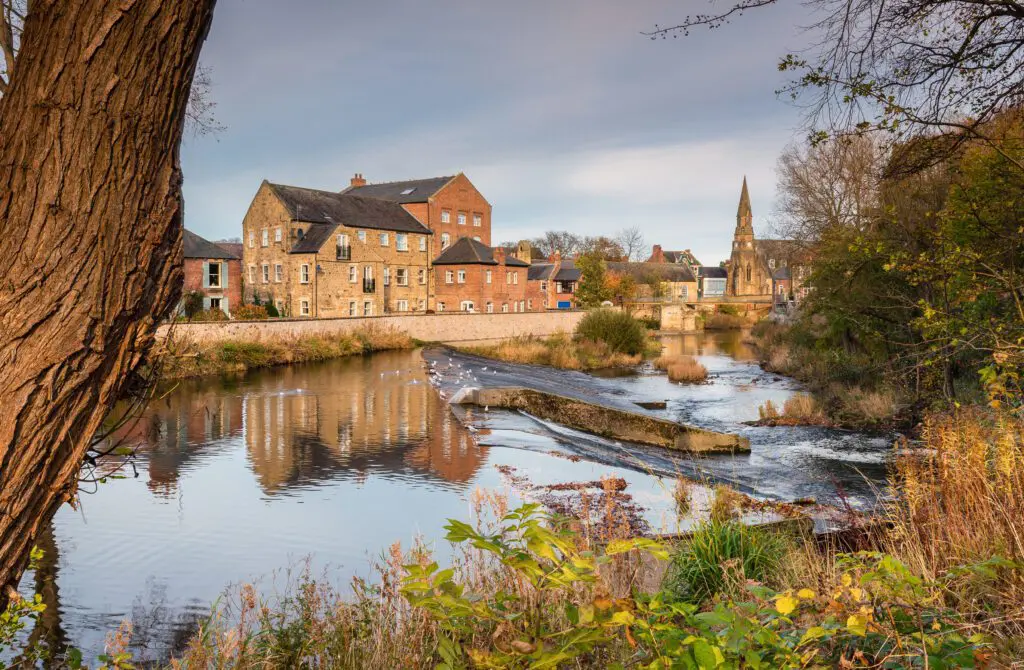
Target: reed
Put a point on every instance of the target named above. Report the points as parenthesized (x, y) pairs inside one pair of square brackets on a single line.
[(558, 351), (682, 369)]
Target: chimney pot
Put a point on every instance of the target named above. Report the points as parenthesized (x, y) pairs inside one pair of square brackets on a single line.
[(357, 180)]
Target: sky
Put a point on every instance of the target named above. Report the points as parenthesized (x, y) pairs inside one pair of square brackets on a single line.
[(560, 112)]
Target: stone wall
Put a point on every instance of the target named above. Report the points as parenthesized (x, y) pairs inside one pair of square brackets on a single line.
[(448, 327)]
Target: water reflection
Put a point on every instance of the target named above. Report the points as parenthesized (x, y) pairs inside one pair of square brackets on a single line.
[(308, 424), (732, 343)]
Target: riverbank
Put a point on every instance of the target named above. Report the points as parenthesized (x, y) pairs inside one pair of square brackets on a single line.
[(557, 351), (846, 393), (182, 359)]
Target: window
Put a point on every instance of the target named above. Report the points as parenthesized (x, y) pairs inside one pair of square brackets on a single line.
[(342, 248), (277, 234), (423, 243), (559, 287), (252, 274), (466, 306), (401, 276), (264, 238), (423, 305), (422, 275), (304, 307), (278, 271), (351, 307), (445, 240), (384, 241), (504, 308), (462, 276), (446, 216), (477, 220), (214, 303), (440, 306), (303, 273), (299, 233), (487, 276), (522, 306), (515, 306), (213, 274), (279, 306), (476, 237), (462, 219), (252, 239), (387, 276), (353, 274), (449, 277), (408, 190), (402, 306), (684, 292), (361, 235), (508, 277), (367, 308), (771, 263), (529, 304), (266, 273), (369, 286), (544, 286), (515, 277), (401, 242), (490, 308)]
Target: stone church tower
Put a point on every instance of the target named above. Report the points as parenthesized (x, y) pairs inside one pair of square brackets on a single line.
[(746, 271)]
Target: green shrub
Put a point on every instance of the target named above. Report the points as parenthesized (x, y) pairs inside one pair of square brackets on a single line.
[(720, 554), (251, 312), (620, 331), (272, 311), (210, 315)]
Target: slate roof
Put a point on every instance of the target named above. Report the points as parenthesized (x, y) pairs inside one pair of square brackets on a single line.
[(782, 273), (568, 272), (328, 207), (467, 251), (314, 238), (230, 247), (199, 247), (673, 272), (539, 271), (712, 272), (395, 191)]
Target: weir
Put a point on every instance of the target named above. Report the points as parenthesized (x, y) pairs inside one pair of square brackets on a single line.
[(605, 421)]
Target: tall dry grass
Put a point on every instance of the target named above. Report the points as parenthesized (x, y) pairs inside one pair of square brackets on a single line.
[(177, 360), (682, 368), (799, 409), (558, 351)]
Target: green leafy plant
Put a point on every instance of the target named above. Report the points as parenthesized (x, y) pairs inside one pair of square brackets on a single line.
[(617, 329)]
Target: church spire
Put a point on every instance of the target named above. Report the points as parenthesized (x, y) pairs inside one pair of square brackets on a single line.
[(744, 211)]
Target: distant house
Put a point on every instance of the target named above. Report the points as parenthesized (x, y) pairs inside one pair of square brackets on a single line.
[(712, 281), (470, 276), (213, 271), (670, 282), (555, 280)]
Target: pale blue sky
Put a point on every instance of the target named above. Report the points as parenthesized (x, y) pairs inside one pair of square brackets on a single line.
[(560, 111)]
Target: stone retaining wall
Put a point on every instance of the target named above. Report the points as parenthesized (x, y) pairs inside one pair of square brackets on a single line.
[(452, 327)]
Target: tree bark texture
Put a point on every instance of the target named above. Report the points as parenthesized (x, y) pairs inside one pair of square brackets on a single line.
[(90, 233)]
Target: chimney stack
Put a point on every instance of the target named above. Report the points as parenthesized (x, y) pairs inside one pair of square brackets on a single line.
[(555, 257), (499, 255), (357, 180)]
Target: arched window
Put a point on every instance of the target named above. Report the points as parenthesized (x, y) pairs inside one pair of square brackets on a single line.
[(748, 273)]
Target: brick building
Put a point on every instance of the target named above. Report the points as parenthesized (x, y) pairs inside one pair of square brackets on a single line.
[(324, 254), (470, 276), (213, 271), (449, 206), (555, 281)]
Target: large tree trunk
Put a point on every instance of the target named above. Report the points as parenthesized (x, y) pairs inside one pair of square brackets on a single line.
[(90, 233)]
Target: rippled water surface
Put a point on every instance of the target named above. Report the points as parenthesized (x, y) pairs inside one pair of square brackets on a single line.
[(241, 480)]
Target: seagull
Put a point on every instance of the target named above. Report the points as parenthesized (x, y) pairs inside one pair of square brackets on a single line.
[(486, 408), (471, 429)]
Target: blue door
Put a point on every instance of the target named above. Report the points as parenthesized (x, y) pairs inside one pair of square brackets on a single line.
[(564, 304)]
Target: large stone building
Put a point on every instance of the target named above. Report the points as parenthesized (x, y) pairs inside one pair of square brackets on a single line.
[(324, 254), (449, 206)]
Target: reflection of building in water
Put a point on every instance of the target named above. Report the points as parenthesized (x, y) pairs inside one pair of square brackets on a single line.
[(177, 428), (350, 419)]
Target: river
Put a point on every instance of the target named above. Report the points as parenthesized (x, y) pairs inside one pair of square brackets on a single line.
[(327, 465)]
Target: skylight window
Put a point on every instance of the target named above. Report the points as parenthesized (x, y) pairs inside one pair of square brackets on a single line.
[(408, 190)]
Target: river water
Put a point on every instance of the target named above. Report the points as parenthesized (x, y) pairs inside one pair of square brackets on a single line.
[(327, 465)]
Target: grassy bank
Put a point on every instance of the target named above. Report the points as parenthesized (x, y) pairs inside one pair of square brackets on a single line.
[(604, 338), (847, 389), (178, 360), (559, 351)]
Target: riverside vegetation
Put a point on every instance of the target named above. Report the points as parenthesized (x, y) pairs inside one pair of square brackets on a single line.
[(604, 338), (942, 587), (177, 360)]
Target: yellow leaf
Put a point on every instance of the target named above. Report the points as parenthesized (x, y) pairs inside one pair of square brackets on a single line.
[(857, 624), (806, 594), (785, 604), (847, 579), (856, 593)]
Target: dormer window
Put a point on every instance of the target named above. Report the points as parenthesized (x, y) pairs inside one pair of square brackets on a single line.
[(408, 191)]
